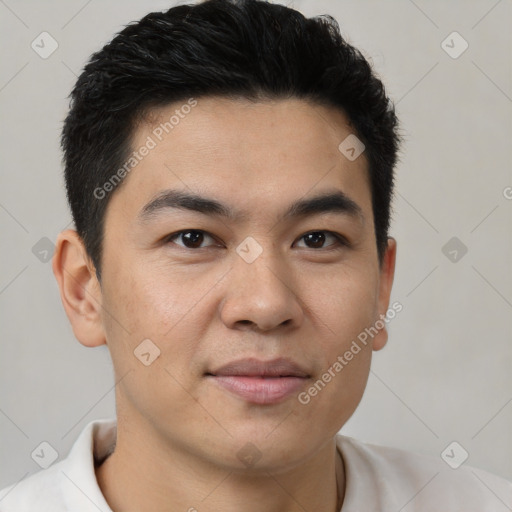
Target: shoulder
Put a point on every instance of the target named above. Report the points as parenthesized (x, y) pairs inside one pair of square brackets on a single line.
[(401, 479), (69, 484), (43, 489)]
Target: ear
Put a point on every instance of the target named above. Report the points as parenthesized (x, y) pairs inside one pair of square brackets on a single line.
[(387, 273), (80, 290)]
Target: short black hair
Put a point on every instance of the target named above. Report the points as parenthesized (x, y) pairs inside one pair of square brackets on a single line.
[(235, 49)]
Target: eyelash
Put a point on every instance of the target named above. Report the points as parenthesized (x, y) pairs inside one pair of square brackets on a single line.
[(341, 241)]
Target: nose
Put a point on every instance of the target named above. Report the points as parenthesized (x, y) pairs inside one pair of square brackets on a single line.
[(260, 296)]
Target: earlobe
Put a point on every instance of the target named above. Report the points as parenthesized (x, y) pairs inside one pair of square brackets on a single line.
[(387, 274), (79, 288)]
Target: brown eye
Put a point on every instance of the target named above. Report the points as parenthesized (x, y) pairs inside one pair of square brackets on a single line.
[(190, 239), (317, 239)]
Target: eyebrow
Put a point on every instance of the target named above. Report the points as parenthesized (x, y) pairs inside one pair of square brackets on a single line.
[(327, 202)]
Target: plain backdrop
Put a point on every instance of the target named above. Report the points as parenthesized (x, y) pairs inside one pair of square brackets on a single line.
[(445, 374)]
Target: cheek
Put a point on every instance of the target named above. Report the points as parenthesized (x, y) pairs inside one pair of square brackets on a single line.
[(342, 307), (337, 389), (163, 305), (345, 303), (347, 306), (142, 309), (147, 300)]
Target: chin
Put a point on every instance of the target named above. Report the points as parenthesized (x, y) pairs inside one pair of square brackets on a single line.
[(260, 449)]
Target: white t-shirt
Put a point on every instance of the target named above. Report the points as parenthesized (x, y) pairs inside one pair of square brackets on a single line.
[(378, 479)]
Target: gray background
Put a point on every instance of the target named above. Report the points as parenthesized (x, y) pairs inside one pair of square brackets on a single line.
[(445, 373)]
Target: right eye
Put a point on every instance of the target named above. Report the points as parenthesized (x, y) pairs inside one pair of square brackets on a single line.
[(190, 238)]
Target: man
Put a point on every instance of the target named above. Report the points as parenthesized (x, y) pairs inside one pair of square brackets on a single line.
[(229, 167)]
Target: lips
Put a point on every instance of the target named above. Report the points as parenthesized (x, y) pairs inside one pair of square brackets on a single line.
[(260, 382)]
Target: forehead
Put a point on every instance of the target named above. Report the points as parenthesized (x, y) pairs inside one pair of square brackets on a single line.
[(244, 153)]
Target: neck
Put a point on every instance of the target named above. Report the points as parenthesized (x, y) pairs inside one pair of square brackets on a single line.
[(141, 475)]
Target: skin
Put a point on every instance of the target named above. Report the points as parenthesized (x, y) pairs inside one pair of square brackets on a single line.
[(178, 432)]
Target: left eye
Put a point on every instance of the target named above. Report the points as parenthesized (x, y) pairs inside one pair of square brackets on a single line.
[(316, 239)]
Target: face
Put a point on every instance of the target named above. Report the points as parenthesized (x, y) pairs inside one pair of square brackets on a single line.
[(249, 290)]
